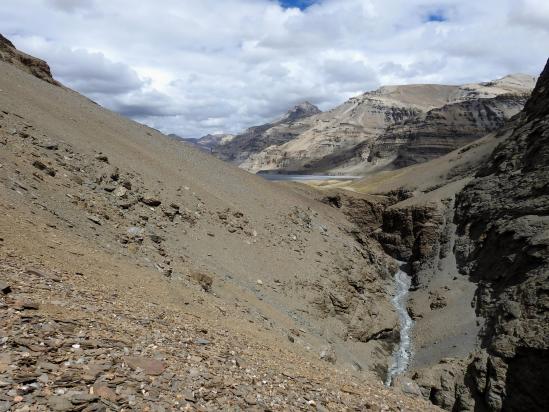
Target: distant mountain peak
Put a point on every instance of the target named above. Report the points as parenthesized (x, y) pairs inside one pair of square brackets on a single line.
[(514, 82), (301, 110)]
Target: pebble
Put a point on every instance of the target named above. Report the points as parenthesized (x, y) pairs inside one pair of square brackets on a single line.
[(102, 158), (149, 366), (151, 201), (60, 404), (5, 288)]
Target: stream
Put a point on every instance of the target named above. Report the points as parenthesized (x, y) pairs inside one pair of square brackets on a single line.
[(403, 353), (298, 178)]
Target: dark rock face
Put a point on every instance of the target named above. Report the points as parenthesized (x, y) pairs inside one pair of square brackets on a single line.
[(412, 234), (32, 65), (503, 245), (366, 213)]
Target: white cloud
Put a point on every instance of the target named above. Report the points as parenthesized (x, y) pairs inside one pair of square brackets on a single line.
[(194, 67), (71, 6)]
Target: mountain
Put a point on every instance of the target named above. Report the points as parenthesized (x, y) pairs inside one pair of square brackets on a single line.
[(300, 111), (255, 139), (139, 273), (209, 142), (442, 130), (387, 128)]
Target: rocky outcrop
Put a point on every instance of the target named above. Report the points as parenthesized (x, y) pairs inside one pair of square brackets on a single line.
[(30, 64), (414, 235)]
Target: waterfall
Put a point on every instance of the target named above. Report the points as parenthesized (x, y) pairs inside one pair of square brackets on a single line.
[(403, 353)]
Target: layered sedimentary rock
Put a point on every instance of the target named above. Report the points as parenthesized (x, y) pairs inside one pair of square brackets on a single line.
[(391, 127), (444, 129)]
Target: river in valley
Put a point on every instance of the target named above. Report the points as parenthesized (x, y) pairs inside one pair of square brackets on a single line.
[(297, 178), (403, 353)]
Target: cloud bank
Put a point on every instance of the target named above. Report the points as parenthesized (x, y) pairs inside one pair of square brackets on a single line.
[(197, 67)]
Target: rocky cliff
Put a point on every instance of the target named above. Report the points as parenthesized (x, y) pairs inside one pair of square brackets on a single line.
[(503, 246), (441, 130)]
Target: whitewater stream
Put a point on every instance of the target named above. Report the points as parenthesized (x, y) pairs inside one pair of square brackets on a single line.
[(403, 353)]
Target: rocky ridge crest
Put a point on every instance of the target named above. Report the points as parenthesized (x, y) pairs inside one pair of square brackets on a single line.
[(30, 64)]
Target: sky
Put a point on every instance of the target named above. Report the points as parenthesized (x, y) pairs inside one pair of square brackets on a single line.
[(194, 67)]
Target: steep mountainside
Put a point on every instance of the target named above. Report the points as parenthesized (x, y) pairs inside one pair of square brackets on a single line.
[(502, 218), (390, 127), (473, 227), (140, 273)]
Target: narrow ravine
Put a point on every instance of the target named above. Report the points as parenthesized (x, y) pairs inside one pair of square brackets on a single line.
[(403, 353)]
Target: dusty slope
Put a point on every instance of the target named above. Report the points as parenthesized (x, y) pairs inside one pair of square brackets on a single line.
[(151, 223), (96, 309), (395, 126)]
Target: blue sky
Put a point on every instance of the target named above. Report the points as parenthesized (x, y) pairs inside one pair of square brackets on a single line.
[(437, 16), (300, 4)]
